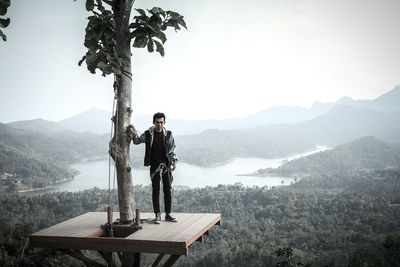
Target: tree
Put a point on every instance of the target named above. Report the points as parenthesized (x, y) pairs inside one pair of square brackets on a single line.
[(287, 259), (108, 38)]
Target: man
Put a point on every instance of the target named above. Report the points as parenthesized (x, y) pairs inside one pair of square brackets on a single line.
[(160, 156)]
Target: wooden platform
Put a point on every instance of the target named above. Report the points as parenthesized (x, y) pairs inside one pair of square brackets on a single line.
[(84, 233)]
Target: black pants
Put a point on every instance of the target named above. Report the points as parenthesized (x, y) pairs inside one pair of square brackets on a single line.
[(155, 182)]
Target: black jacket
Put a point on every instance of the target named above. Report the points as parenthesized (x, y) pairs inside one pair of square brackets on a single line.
[(147, 138)]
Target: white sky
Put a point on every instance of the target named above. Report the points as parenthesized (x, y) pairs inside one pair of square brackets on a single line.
[(237, 58)]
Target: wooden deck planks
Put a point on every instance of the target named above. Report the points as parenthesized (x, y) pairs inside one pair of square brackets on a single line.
[(182, 227), (193, 232), (83, 232), (158, 232), (81, 226), (66, 227)]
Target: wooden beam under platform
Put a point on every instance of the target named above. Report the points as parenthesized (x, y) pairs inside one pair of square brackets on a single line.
[(84, 233)]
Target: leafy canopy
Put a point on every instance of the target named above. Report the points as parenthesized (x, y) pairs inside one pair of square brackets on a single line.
[(4, 4), (146, 30)]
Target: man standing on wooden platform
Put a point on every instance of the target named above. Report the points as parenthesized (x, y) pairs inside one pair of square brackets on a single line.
[(160, 156)]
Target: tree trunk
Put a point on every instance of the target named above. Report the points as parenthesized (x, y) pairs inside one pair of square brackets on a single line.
[(122, 10)]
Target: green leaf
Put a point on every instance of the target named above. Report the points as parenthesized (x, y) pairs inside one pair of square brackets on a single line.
[(3, 10), (89, 5), (105, 68), (172, 23), (101, 64), (5, 3), (155, 20), (4, 23), (173, 14), (182, 22), (162, 37), (139, 32), (159, 47), (141, 12), (90, 43), (81, 61), (150, 46), (90, 58), (2, 35), (134, 25), (156, 10), (140, 41), (176, 17)]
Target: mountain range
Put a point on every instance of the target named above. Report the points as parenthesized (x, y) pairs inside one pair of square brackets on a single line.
[(344, 123), (99, 121), (338, 124)]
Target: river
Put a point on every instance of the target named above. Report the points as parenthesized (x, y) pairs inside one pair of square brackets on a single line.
[(95, 174)]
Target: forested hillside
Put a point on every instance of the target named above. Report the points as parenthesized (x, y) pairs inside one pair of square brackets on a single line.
[(26, 172), (330, 220), (214, 147), (364, 153), (62, 146), (35, 159)]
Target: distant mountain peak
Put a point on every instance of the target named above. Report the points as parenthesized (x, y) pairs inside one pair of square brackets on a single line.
[(395, 92), (37, 125), (94, 120), (90, 112), (345, 100)]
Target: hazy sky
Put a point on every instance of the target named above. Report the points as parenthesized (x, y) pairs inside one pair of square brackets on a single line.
[(237, 58)]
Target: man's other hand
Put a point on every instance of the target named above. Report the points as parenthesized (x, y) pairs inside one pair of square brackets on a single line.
[(173, 166)]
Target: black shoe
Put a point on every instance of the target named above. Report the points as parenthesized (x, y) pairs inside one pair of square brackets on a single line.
[(169, 218)]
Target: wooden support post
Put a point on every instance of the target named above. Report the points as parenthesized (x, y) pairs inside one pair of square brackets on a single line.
[(136, 261), (103, 254), (79, 255), (109, 257), (109, 215), (137, 220), (110, 260), (171, 260), (157, 261)]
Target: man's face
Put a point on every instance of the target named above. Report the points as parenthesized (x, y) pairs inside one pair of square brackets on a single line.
[(159, 124)]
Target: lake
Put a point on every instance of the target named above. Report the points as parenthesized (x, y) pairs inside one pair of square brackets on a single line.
[(95, 174)]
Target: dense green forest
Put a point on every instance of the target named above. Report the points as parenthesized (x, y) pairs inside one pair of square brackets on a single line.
[(213, 147), (364, 153), (32, 173), (326, 220)]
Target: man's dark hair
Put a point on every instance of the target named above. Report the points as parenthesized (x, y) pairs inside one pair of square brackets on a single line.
[(158, 115)]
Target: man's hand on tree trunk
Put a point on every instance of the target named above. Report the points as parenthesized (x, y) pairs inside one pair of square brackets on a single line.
[(131, 131)]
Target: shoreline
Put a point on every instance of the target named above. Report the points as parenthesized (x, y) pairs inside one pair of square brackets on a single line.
[(44, 188)]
